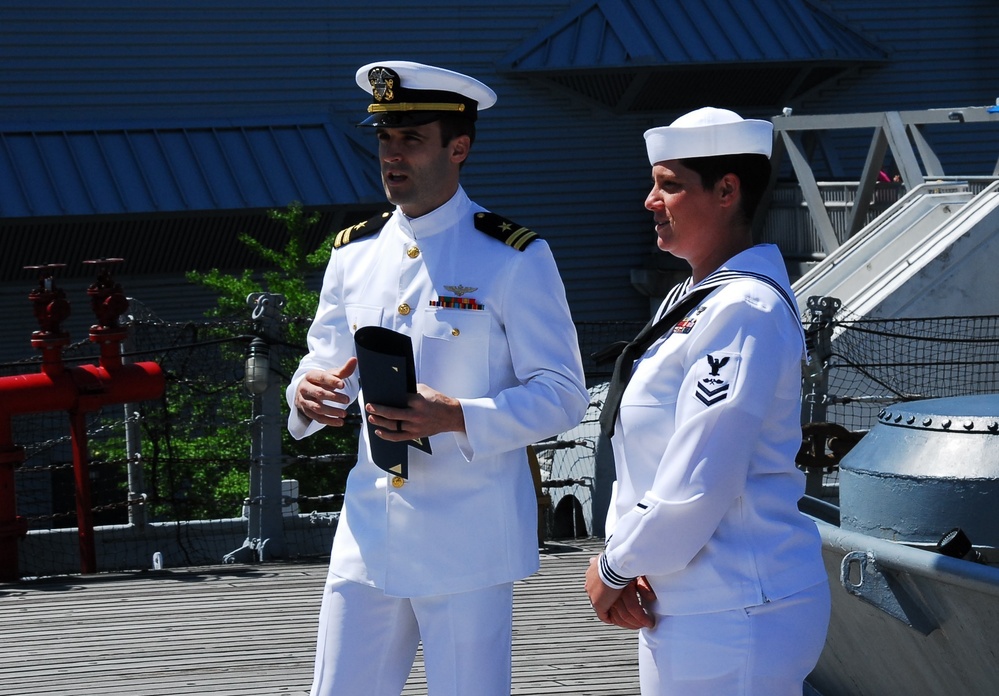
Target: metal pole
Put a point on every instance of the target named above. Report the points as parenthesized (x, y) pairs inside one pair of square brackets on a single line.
[(815, 386), (255, 534), (267, 423), (816, 373), (133, 451), (266, 518)]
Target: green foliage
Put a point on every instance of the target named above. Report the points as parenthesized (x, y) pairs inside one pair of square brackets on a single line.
[(202, 448), (289, 268), (208, 443)]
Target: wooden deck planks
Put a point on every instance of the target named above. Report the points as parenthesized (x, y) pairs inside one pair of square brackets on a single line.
[(250, 631)]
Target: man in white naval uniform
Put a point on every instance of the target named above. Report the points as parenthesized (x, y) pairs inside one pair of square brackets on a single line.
[(707, 553), (433, 557)]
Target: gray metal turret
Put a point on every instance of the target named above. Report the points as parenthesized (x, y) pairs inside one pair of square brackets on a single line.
[(925, 468)]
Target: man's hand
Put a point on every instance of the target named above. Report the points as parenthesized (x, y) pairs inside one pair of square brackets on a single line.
[(319, 396), (627, 607), (427, 412)]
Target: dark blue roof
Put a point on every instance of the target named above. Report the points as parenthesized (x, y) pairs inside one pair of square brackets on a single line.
[(141, 170), (638, 55)]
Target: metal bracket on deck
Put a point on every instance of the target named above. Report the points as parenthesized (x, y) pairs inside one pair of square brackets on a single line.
[(252, 551), (883, 590)]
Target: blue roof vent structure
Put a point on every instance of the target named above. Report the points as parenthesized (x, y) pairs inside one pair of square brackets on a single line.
[(668, 55)]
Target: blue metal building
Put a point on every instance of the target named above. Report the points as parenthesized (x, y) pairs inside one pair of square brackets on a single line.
[(158, 131)]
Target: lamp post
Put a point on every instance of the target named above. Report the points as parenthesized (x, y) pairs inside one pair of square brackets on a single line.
[(265, 523), (256, 377)]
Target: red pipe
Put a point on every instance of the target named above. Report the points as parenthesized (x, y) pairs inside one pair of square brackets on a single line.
[(12, 527), (81, 475), (76, 390), (83, 387)]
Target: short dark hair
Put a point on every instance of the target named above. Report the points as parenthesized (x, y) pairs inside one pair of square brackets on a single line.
[(753, 171), (454, 125)]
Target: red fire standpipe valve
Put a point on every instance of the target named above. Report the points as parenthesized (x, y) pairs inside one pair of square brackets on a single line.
[(108, 301), (51, 309), (76, 390)]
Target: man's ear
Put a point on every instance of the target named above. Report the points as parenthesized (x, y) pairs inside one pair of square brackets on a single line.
[(460, 147), (728, 187)]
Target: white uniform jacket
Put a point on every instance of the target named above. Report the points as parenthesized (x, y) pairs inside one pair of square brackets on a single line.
[(467, 516), (706, 495)]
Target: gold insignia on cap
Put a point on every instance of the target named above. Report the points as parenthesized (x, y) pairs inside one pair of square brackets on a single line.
[(459, 290), (382, 83), (415, 106)]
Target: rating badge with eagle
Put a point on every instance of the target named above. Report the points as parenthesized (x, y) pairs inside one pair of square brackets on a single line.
[(715, 374)]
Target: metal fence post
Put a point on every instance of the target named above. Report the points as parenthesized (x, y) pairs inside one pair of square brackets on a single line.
[(265, 451), (815, 374), (265, 523), (137, 515)]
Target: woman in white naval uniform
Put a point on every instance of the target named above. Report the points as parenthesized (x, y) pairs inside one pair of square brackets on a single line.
[(434, 557), (707, 554)]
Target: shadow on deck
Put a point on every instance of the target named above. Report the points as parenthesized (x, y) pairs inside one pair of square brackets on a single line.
[(249, 630)]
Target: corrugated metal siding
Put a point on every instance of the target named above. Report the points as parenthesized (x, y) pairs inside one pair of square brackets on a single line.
[(941, 54), (536, 160), (545, 157), (175, 59)]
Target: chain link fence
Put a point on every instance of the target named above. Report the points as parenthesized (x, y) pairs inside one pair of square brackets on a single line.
[(172, 479), (859, 366)]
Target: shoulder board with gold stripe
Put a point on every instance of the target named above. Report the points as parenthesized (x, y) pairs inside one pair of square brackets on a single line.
[(508, 232), (361, 229)]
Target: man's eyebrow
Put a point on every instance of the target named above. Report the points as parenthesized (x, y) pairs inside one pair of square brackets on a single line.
[(403, 131)]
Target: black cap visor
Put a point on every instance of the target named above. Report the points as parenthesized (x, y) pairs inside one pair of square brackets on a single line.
[(401, 119)]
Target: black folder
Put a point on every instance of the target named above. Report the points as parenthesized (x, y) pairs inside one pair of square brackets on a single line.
[(387, 375)]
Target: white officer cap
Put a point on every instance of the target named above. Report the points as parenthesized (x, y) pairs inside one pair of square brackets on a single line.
[(411, 94), (708, 132)]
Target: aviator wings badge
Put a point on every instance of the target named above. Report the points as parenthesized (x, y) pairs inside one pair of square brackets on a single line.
[(459, 290)]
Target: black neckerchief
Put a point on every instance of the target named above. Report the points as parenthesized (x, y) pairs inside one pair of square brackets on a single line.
[(655, 329), (636, 349)]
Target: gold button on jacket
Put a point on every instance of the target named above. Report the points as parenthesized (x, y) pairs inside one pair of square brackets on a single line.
[(398, 482), (404, 309)]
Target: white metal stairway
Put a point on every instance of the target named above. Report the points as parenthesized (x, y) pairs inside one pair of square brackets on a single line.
[(933, 253)]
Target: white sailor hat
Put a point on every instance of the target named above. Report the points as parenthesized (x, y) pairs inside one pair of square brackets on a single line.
[(708, 132), (411, 94)]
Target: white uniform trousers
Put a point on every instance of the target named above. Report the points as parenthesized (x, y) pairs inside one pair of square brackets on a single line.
[(368, 640), (766, 650)]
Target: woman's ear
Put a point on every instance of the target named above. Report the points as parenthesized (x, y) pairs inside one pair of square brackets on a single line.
[(728, 188)]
